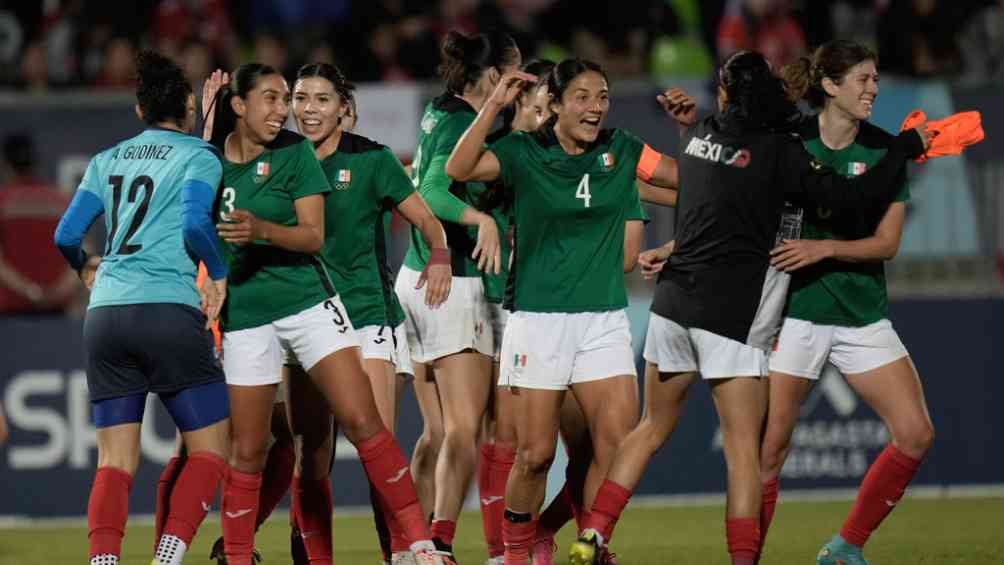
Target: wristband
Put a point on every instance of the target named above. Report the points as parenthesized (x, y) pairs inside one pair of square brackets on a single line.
[(438, 256)]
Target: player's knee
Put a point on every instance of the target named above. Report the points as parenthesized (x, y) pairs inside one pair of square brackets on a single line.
[(360, 426), (536, 458), (123, 459), (916, 440), (772, 456), (461, 434), (431, 440), (248, 455)]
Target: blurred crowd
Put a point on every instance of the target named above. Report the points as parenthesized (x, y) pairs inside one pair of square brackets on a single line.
[(48, 44)]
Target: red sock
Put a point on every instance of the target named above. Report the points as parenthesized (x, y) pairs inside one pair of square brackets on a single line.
[(275, 480), (314, 517), (743, 537), (108, 510), (193, 494), (397, 540), (518, 538), (497, 460), (238, 513), (556, 515), (164, 486), (444, 530), (770, 490), (610, 501), (389, 473), (881, 489)]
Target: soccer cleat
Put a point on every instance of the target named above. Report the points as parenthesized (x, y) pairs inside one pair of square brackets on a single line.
[(428, 556), (402, 558), (542, 551), (425, 553), (587, 550), (218, 554), (498, 560), (839, 552)]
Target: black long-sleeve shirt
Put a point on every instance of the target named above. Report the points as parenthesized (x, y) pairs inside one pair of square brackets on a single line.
[(734, 186)]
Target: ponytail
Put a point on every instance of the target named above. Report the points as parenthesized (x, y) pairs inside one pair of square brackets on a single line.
[(464, 57), (803, 79)]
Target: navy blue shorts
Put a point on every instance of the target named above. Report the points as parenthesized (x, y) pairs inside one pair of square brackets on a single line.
[(139, 348)]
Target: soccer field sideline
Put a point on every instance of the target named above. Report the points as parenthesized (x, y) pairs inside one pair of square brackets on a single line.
[(652, 501), (957, 531)]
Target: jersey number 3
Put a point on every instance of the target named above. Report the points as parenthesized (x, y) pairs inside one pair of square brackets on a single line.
[(144, 182), (227, 203), (582, 192)]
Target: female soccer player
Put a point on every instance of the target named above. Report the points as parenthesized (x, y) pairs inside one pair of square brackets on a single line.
[(718, 302), (368, 182), (144, 331), (837, 307), (574, 189), (527, 113), (454, 340), (283, 302)]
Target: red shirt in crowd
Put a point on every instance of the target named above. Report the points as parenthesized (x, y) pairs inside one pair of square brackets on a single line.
[(29, 213)]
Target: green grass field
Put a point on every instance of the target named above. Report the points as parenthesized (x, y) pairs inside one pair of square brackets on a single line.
[(942, 532)]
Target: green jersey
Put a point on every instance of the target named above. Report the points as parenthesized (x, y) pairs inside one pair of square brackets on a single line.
[(267, 283), (570, 212), (834, 292), (497, 201), (368, 182), (445, 119)]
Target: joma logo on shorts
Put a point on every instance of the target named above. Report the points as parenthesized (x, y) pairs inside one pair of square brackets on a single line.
[(718, 153)]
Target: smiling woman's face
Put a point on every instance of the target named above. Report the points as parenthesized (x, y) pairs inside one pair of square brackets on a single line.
[(583, 107)]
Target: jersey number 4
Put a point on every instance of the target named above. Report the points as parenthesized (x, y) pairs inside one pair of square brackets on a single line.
[(582, 192), (144, 182)]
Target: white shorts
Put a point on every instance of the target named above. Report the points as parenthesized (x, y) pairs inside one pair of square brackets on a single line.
[(499, 315), (462, 322), (804, 347), (554, 350), (391, 345), (255, 356), (675, 349)]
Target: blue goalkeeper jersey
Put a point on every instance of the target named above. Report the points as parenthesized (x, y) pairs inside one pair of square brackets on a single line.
[(139, 185)]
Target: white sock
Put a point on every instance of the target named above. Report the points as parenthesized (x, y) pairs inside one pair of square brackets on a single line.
[(105, 559), (170, 550)]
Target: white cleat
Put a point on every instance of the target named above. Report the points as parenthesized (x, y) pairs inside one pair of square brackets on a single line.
[(402, 558)]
